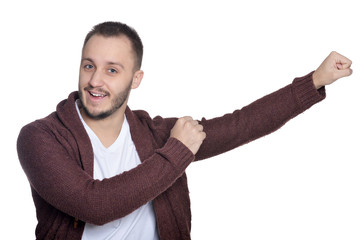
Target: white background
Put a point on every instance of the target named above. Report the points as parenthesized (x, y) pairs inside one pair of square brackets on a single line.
[(205, 59)]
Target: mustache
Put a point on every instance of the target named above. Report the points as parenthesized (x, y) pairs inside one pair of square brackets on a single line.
[(99, 90)]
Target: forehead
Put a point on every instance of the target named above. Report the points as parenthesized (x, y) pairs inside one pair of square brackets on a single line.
[(108, 49)]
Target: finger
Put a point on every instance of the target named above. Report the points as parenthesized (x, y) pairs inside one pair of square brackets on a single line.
[(343, 73), (203, 135), (193, 122), (190, 124), (199, 128), (344, 61), (346, 64), (339, 66), (185, 119), (343, 64)]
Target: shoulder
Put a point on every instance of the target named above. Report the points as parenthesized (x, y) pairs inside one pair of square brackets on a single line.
[(63, 119), (41, 131), (145, 128), (39, 125), (59, 126), (143, 118)]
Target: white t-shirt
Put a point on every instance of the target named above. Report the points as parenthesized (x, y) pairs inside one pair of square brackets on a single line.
[(108, 162)]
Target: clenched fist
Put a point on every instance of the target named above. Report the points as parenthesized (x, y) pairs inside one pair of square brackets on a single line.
[(189, 132), (335, 66)]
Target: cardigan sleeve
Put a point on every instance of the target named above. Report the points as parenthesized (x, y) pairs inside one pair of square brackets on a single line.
[(58, 179), (259, 118), (56, 176)]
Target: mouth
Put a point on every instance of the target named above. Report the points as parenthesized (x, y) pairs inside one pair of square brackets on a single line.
[(98, 95)]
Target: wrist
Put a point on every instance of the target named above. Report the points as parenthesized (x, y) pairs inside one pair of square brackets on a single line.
[(316, 80)]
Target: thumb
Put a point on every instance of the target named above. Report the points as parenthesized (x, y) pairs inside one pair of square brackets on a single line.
[(343, 73), (343, 65)]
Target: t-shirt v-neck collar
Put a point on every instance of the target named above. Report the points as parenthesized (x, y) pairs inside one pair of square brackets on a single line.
[(94, 137)]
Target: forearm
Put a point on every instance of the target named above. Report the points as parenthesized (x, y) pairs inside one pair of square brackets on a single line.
[(61, 182), (260, 118)]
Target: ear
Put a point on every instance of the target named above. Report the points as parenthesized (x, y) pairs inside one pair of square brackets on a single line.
[(137, 79)]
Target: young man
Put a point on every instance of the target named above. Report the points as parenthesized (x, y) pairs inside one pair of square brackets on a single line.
[(99, 170)]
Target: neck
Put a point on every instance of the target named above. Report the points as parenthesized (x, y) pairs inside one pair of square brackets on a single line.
[(107, 129)]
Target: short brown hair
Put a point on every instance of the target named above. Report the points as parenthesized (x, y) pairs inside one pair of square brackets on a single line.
[(115, 29)]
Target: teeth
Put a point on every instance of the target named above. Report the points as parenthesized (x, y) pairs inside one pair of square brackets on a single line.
[(97, 94)]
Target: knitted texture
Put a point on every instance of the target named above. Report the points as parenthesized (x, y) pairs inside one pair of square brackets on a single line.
[(56, 155)]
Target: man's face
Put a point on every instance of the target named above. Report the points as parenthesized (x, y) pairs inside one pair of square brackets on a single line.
[(106, 75)]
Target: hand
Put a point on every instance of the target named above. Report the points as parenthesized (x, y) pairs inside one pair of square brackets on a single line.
[(335, 66), (189, 132)]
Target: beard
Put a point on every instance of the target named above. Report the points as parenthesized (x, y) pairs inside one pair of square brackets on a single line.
[(116, 103)]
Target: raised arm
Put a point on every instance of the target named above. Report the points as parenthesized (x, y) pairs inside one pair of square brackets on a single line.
[(272, 111)]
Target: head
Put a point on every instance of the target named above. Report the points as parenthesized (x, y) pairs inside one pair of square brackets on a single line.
[(116, 29), (109, 69)]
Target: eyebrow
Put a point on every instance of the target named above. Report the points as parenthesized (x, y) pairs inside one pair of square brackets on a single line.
[(109, 62)]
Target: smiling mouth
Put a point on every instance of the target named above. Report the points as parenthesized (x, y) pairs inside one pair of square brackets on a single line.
[(96, 94)]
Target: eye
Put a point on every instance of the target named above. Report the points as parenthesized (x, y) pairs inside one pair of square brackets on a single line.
[(88, 66), (112, 70)]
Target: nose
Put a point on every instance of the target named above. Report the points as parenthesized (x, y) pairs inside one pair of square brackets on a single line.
[(96, 79)]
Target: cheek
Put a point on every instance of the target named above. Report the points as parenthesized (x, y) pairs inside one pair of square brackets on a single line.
[(120, 84), (80, 85), (83, 79)]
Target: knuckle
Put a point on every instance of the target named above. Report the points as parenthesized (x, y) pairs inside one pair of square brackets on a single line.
[(187, 124), (183, 119), (179, 121), (188, 118)]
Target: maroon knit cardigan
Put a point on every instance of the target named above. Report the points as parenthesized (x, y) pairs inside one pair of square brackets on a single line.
[(56, 155)]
